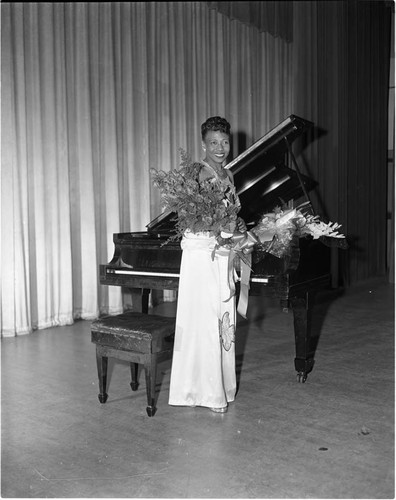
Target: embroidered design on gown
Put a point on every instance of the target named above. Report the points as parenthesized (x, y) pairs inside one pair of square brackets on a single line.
[(226, 331), (203, 364)]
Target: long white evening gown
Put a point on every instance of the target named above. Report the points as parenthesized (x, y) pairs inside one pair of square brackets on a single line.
[(203, 366)]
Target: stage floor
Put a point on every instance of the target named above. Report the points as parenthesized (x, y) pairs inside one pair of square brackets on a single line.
[(331, 437)]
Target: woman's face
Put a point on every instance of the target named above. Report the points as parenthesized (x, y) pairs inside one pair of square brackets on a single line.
[(217, 147)]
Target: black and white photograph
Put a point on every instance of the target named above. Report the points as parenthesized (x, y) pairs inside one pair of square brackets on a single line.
[(197, 276)]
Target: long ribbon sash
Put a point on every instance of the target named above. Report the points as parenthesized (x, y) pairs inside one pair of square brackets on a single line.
[(241, 245)]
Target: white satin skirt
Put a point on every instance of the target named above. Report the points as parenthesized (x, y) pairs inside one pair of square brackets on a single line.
[(203, 365)]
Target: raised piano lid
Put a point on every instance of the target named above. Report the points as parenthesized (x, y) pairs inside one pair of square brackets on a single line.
[(262, 179)]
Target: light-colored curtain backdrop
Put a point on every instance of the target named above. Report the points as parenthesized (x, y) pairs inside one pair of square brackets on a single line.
[(92, 96)]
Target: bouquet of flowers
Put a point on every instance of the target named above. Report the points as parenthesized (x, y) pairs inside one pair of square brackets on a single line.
[(276, 231), (207, 205), (200, 205)]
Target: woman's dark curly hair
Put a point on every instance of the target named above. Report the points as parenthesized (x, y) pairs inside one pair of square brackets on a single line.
[(215, 123)]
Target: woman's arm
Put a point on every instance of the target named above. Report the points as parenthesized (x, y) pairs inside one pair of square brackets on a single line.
[(230, 175), (204, 173), (240, 223)]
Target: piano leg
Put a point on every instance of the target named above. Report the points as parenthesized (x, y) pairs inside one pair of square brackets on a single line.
[(140, 299), (303, 361), (101, 363), (145, 299)]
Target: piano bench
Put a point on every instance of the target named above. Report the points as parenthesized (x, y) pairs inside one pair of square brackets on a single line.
[(135, 337)]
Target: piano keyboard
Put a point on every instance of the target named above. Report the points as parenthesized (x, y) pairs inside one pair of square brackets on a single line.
[(142, 273), (164, 275)]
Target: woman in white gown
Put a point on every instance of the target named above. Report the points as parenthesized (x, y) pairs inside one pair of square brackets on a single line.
[(203, 366)]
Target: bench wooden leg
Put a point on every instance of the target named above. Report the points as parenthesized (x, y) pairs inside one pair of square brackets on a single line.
[(101, 363), (150, 370), (134, 376)]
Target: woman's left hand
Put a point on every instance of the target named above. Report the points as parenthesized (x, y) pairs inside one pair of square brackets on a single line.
[(241, 225)]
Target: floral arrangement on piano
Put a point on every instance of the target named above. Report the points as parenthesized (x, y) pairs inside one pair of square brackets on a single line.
[(276, 231)]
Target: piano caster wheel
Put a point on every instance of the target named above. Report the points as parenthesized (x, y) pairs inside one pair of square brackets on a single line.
[(301, 377), (151, 411), (134, 386), (103, 397)]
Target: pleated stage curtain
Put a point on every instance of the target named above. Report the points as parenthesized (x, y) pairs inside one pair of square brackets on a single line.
[(341, 79), (94, 95)]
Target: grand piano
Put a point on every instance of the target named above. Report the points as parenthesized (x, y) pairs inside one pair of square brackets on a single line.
[(266, 175)]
